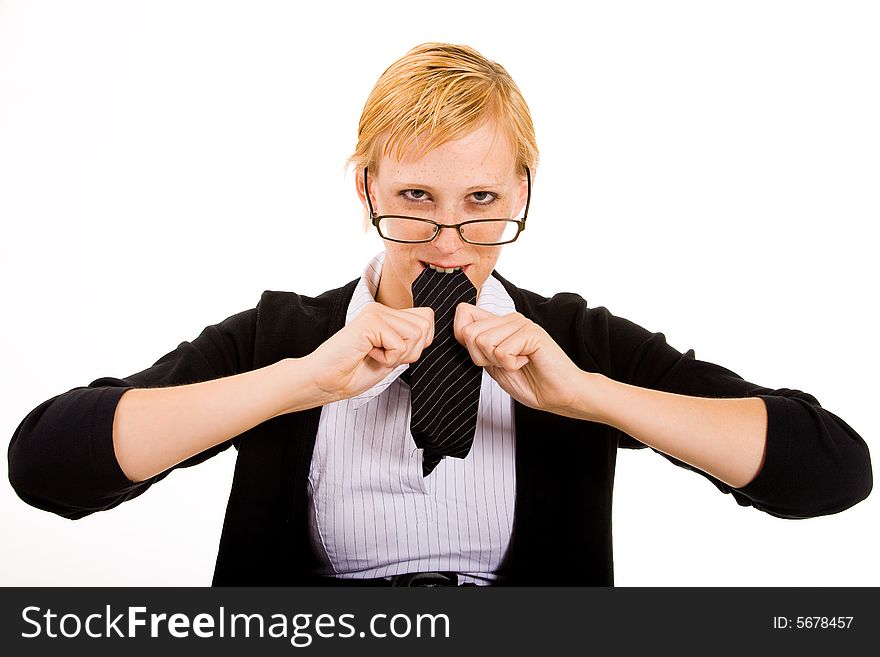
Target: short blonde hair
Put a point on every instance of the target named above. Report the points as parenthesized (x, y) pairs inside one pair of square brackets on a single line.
[(442, 92)]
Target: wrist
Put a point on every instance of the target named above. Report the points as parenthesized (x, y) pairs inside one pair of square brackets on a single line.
[(302, 388), (585, 401)]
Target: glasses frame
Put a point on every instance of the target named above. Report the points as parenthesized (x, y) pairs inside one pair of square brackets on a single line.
[(520, 223)]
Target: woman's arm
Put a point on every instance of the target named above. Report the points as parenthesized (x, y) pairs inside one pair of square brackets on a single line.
[(154, 429), (94, 447), (725, 437), (777, 450), (157, 428)]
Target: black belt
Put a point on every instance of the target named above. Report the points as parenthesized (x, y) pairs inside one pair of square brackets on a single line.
[(407, 579)]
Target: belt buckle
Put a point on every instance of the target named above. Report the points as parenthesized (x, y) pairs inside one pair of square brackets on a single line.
[(425, 579)]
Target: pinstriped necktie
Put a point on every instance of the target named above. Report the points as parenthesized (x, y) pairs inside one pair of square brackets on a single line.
[(444, 381)]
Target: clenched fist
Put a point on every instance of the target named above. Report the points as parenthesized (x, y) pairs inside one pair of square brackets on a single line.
[(360, 355), (521, 356)]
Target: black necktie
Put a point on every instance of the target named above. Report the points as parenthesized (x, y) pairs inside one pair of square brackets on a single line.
[(444, 381)]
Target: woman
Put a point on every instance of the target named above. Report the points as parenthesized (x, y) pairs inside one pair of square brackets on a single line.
[(349, 468)]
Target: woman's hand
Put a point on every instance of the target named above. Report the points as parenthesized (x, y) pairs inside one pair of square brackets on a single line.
[(521, 356), (360, 355)]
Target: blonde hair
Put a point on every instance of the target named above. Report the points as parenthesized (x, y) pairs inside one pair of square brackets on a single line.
[(441, 91)]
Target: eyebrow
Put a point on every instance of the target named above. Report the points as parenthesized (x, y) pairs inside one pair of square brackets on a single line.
[(409, 185)]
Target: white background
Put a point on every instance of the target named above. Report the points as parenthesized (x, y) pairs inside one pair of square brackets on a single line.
[(708, 169)]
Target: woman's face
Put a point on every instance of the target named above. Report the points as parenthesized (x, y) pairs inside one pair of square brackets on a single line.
[(469, 178)]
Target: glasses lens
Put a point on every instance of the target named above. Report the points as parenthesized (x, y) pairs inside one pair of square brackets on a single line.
[(495, 231), (408, 230)]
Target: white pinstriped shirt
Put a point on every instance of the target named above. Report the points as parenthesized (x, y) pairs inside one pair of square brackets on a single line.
[(373, 514)]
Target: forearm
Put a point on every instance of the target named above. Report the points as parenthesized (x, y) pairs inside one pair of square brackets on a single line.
[(723, 437), (156, 428)]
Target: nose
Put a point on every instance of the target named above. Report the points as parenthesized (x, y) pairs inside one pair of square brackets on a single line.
[(448, 240)]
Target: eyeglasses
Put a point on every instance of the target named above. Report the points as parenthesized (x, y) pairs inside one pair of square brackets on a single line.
[(482, 232)]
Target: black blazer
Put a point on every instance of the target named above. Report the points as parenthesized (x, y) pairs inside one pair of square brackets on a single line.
[(61, 456)]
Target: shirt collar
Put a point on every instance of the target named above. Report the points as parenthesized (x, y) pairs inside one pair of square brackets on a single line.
[(492, 297)]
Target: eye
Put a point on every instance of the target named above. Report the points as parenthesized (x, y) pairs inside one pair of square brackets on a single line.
[(418, 194), (483, 196)]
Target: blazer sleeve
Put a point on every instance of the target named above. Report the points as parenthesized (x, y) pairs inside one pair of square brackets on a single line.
[(61, 457), (815, 463)]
